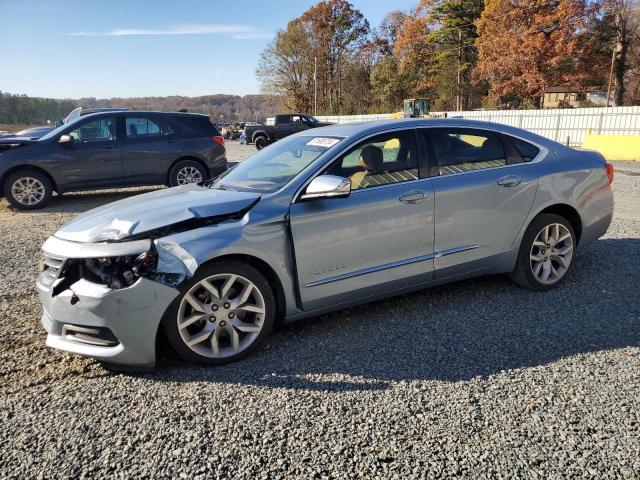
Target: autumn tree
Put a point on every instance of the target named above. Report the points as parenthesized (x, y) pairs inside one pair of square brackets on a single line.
[(526, 46), (337, 30), (388, 85), (414, 52), (616, 27), (330, 33), (286, 67)]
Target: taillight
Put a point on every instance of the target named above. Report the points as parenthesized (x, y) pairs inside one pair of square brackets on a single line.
[(218, 139), (609, 168)]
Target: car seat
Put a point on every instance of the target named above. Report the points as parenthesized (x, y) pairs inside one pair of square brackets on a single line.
[(372, 160)]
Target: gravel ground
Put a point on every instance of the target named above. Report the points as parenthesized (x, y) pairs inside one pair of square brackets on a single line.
[(474, 379)]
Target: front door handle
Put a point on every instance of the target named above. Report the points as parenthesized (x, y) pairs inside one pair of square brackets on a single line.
[(509, 181), (413, 196)]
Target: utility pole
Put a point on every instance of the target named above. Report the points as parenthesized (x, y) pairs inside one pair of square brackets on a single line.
[(458, 96), (257, 113), (613, 60), (315, 86), (615, 50)]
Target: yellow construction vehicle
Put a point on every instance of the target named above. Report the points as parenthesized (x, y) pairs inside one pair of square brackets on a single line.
[(413, 108)]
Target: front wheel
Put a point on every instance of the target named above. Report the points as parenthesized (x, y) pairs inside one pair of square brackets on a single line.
[(28, 190), (546, 253), (224, 315)]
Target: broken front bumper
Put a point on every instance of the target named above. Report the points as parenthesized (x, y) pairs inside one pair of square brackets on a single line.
[(116, 326)]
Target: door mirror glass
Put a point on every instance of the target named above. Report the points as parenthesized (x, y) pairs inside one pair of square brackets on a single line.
[(327, 186), (65, 139)]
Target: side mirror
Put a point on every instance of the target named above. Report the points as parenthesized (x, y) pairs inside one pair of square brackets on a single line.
[(327, 186), (65, 139)]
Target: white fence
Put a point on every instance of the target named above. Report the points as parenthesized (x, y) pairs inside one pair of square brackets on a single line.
[(354, 118), (563, 125)]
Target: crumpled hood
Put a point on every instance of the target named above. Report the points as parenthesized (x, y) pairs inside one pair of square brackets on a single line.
[(144, 213)]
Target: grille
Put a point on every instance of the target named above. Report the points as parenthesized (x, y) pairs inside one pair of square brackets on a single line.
[(51, 268)]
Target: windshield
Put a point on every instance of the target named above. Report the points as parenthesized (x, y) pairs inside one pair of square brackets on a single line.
[(60, 129), (273, 167)]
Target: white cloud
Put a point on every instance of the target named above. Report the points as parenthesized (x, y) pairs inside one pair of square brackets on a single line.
[(238, 32)]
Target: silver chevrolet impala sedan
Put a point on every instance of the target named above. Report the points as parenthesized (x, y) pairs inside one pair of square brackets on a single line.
[(319, 221)]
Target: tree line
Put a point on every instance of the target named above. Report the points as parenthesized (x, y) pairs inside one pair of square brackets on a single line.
[(461, 54), (24, 110)]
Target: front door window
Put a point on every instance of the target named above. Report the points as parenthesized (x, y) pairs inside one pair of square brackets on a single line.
[(381, 160), (94, 131)]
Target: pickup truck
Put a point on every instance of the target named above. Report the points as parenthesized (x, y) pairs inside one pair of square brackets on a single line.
[(284, 125)]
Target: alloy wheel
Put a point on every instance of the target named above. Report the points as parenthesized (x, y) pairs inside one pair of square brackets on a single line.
[(221, 315), (188, 174), (28, 190), (551, 253)]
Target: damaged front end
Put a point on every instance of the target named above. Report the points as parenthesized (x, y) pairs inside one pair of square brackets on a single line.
[(163, 262), (106, 301), (109, 276)]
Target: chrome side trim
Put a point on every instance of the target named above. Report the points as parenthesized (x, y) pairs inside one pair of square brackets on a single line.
[(378, 268), (386, 266), (451, 251)]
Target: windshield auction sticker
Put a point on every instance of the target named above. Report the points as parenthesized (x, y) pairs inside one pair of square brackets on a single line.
[(325, 142)]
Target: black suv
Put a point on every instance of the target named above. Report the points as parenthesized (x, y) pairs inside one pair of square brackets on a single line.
[(108, 150)]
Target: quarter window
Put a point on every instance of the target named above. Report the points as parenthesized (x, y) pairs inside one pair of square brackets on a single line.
[(102, 130), (381, 160), (527, 151), (460, 150), (142, 128)]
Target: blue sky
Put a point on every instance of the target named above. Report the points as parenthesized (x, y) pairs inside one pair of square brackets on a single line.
[(127, 48)]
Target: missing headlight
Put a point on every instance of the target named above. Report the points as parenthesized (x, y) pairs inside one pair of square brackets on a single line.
[(120, 272)]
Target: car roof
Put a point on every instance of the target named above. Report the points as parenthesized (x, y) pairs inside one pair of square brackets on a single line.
[(173, 114), (366, 128)]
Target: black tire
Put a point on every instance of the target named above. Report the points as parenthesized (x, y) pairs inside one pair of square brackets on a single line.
[(170, 320), (40, 182), (523, 273), (261, 142), (175, 177)]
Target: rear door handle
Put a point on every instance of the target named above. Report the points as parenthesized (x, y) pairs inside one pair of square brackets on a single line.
[(509, 181), (413, 196)]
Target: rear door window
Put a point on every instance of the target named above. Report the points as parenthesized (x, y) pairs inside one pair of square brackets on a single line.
[(460, 150), (142, 128)]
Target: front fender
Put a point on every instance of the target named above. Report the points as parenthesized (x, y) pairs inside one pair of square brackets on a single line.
[(260, 133), (266, 241)]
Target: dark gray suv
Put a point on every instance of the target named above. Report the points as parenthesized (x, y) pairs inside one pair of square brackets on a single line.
[(108, 150)]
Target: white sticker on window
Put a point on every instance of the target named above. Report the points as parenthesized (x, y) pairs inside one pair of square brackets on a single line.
[(325, 142)]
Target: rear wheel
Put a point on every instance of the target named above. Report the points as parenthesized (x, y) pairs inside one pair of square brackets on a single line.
[(546, 253), (224, 315), (185, 172), (28, 190), (260, 142)]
